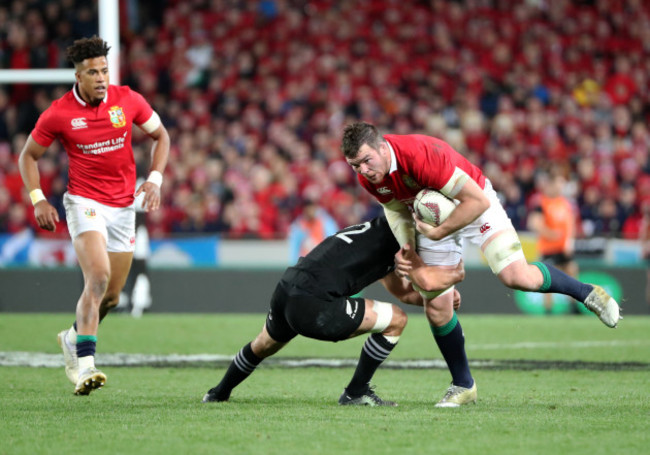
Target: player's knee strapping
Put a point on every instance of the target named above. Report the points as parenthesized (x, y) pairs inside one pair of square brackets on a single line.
[(384, 315), (503, 251)]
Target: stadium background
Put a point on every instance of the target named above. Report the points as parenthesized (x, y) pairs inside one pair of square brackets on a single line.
[(255, 95)]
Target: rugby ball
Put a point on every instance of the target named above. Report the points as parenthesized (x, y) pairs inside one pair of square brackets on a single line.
[(432, 206)]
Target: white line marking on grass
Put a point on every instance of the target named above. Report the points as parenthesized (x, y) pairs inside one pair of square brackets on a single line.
[(40, 359)]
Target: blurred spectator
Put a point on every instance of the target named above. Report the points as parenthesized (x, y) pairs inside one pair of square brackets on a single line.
[(255, 95), (309, 229), (554, 220), (644, 237)]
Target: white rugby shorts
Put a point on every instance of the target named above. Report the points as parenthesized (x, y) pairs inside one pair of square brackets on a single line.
[(116, 224), (449, 250)]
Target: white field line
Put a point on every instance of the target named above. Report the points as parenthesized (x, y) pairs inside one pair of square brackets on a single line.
[(40, 359)]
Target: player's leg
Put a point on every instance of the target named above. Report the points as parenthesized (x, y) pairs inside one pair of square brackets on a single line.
[(506, 258), (120, 244), (567, 265), (444, 323), (386, 322), (450, 338), (120, 263), (548, 298), (90, 247), (251, 355), (67, 339), (336, 319), (500, 244)]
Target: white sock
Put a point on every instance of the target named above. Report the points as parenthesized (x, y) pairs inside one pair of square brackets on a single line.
[(71, 336), (392, 339), (86, 363)]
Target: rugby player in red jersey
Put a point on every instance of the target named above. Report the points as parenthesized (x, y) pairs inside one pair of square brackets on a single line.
[(394, 168), (93, 123)]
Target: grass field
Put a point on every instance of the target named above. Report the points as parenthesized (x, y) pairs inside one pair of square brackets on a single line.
[(560, 385)]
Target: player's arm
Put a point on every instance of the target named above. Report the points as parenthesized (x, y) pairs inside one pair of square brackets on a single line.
[(45, 214), (159, 156), (402, 290), (473, 202), (426, 277), (400, 221)]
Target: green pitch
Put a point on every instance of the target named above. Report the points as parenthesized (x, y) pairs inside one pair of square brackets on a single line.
[(556, 385)]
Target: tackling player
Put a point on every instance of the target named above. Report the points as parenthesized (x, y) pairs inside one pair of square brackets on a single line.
[(93, 121), (394, 168), (312, 299)]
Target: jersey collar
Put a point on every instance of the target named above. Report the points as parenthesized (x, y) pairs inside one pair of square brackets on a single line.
[(80, 100), (393, 159)]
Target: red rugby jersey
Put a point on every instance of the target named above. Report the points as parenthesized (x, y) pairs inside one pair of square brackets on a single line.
[(419, 162), (97, 141)]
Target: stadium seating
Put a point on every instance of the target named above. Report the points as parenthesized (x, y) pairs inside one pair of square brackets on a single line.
[(255, 95)]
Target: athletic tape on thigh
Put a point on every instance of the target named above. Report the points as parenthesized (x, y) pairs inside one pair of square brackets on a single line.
[(503, 251), (428, 295), (384, 315)]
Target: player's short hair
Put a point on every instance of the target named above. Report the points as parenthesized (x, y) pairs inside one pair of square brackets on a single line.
[(357, 134), (85, 48)]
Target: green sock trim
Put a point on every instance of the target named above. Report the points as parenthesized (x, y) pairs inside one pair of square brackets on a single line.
[(545, 274), (82, 338), (445, 329)]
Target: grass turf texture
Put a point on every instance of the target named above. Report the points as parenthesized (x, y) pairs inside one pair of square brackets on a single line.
[(283, 411)]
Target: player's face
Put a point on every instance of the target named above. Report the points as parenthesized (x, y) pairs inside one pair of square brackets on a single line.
[(371, 163), (92, 76)]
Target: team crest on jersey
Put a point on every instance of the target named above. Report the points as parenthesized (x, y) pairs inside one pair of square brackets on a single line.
[(384, 190), (118, 119), (408, 181), (90, 212)]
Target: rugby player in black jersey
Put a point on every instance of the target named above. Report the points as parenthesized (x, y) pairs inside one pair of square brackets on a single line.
[(313, 299)]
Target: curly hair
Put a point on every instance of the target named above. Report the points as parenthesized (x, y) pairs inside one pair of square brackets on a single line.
[(85, 48), (357, 134)]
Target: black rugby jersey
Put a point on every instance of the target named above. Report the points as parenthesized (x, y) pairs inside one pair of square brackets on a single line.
[(346, 262)]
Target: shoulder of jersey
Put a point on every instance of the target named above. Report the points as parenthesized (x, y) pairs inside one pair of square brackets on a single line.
[(67, 97), (119, 91), (63, 106)]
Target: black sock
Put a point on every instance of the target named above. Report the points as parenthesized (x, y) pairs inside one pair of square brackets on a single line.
[(240, 368), (374, 352), (451, 342), (558, 282)]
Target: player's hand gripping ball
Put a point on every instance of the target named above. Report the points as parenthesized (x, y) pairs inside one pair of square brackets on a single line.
[(432, 206)]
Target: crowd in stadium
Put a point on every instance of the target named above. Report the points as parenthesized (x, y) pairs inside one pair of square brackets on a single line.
[(255, 96)]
